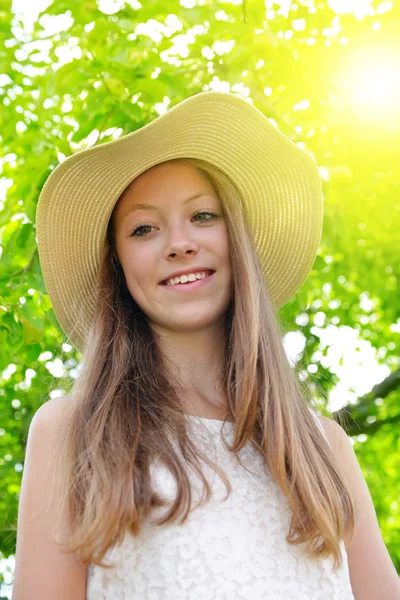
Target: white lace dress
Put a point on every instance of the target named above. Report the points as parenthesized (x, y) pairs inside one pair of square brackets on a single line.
[(233, 549)]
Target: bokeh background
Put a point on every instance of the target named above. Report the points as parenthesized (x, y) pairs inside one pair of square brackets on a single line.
[(78, 73)]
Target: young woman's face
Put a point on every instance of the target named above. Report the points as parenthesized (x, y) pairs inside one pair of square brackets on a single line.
[(185, 230)]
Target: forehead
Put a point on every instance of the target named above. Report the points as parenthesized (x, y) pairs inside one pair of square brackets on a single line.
[(167, 182)]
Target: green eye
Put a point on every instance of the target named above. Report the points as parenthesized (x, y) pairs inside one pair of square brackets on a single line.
[(137, 232), (139, 228), (206, 212)]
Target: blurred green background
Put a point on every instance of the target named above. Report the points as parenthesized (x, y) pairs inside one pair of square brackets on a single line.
[(327, 74)]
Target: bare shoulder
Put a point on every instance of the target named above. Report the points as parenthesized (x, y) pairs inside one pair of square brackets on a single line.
[(334, 432), (53, 410), (41, 569), (371, 569), (45, 429)]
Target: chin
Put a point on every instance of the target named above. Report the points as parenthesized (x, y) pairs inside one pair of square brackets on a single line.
[(191, 323)]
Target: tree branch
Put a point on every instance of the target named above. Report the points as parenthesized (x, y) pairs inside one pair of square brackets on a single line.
[(21, 271), (355, 416)]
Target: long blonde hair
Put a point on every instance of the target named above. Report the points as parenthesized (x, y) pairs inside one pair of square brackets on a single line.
[(124, 405)]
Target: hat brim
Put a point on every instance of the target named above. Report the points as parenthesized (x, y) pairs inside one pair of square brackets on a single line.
[(278, 180)]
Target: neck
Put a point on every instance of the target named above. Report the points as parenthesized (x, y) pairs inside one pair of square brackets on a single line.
[(195, 362)]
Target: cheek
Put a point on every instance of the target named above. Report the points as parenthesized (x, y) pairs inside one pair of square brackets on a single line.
[(139, 266), (221, 246)]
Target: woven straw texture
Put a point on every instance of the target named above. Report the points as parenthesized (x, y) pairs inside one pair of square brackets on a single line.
[(278, 180)]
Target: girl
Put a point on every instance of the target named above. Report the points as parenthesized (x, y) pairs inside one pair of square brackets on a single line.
[(186, 462)]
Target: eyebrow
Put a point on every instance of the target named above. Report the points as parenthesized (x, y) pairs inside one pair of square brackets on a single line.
[(150, 207)]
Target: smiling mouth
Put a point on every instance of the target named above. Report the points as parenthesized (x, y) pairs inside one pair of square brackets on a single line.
[(210, 272)]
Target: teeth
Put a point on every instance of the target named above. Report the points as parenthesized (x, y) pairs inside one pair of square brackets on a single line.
[(186, 278)]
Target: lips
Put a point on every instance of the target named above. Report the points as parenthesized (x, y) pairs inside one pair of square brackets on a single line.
[(185, 290), (209, 271)]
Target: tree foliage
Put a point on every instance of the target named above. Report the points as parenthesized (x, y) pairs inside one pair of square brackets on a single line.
[(87, 72)]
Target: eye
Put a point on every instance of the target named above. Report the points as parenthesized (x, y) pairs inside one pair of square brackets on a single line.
[(139, 228), (205, 212), (137, 231)]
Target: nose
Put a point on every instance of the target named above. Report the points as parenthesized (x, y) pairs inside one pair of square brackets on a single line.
[(179, 243)]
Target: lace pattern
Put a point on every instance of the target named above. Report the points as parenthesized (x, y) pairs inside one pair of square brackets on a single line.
[(232, 548)]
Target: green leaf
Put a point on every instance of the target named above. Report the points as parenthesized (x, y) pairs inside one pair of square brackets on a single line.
[(87, 128)]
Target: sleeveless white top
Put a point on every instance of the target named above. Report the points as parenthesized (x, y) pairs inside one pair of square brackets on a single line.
[(233, 549)]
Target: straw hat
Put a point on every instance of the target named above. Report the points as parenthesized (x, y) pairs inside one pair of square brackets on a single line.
[(279, 183)]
